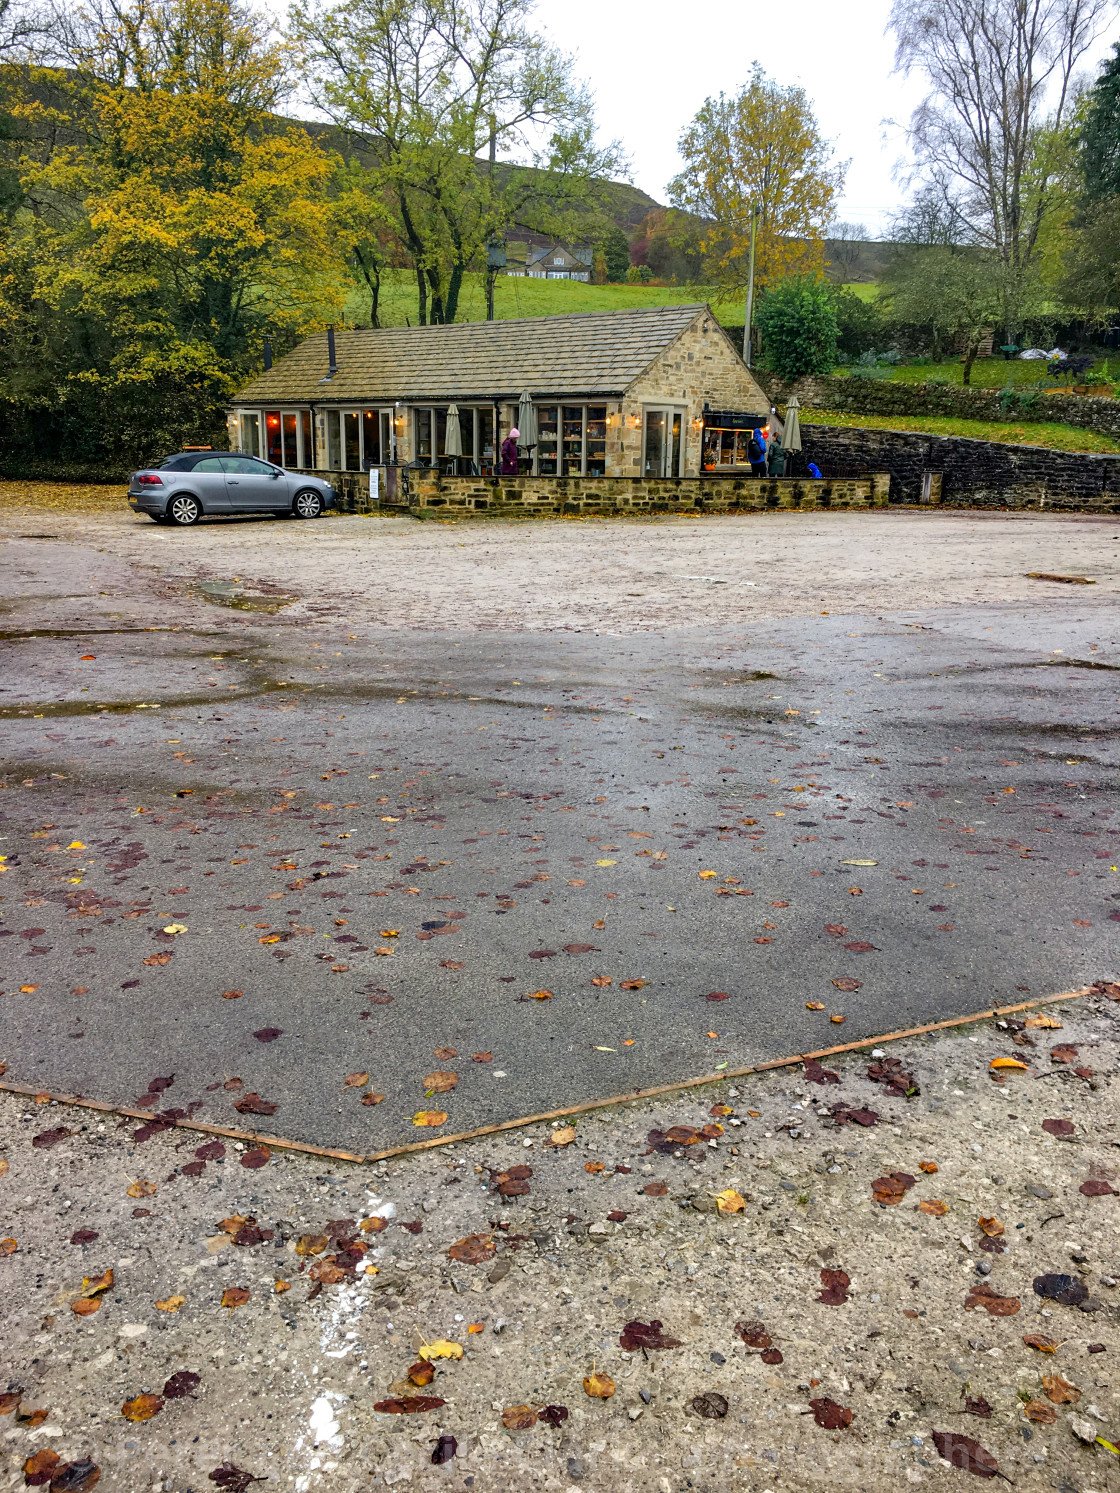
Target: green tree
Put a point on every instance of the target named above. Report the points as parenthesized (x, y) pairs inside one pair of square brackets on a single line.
[(956, 298), (615, 247), (761, 148), (1098, 134), (797, 322)]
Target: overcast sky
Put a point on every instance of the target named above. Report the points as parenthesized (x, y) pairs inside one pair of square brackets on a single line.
[(653, 65)]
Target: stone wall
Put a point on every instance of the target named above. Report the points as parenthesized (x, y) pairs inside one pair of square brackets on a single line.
[(531, 497), (974, 474), (868, 396)]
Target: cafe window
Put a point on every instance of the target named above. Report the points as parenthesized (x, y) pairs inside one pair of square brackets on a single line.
[(662, 442), (251, 432), (359, 439), (727, 440), (476, 433), (571, 440), (287, 437)]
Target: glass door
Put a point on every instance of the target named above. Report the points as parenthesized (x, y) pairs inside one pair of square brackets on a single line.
[(359, 439), (663, 445)]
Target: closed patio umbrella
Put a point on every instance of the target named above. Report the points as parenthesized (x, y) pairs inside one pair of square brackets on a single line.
[(453, 437), (526, 421), (791, 440)]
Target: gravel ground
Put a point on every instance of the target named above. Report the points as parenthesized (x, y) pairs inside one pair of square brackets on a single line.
[(609, 575), (619, 1226)]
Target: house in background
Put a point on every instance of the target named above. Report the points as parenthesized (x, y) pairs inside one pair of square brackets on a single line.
[(549, 261), (650, 392)]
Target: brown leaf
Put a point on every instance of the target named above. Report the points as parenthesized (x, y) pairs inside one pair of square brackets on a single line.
[(593, 1167), (409, 1405), (182, 1384), (445, 1054), (327, 1273), (171, 1304), (637, 1335), (47, 1138), (1040, 1412), (990, 1226), (655, 1189), (141, 1190), (473, 1249), (816, 1074), (1060, 1128), (929, 1167), (708, 1406), (1097, 1187), (934, 1207), (965, 1454), (142, 1408), (440, 1083), (163, 958), (233, 1479), (85, 1306), (1043, 1344), (40, 1468), (754, 1334), (1063, 1053), (234, 1296), (1066, 1289), (771, 1355), (580, 948), (373, 1225), (93, 1285), (977, 1407), (430, 1117), (994, 1304), (599, 1386), (564, 1136), (1060, 1391), (253, 1104), (371, 1098), (846, 982), (829, 1415), (421, 1374), (859, 946), (519, 1418), (602, 981), (633, 984), (356, 1080), (311, 1244), (893, 1188), (75, 1477), (553, 1415), (255, 1157), (835, 1283)]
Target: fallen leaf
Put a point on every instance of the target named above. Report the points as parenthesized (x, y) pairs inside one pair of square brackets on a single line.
[(829, 1415), (1096, 1187), (860, 946), (445, 1448), (371, 1098), (977, 1407), (601, 981), (633, 984), (893, 1188), (965, 1454), (1068, 1290), (233, 1479), (593, 1167), (771, 1355), (838, 1019), (598, 1386), (990, 1226), (934, 1207), (409, 1405), (40, 1468), (729, 1201), (47, 1138), (562, 1137), (253, 1104), (539, 995), (1012, 1063), (1060, 1128), (421, 1374), (1042, 1344), (1040, 1412), (75, 1477), (754, 1334), (708, 1406), (182, 1384), (580, 948), (356, 1080), (451, 964), (374, 1225), (929, 1167), (994, 1304), (232, 995), (845, 982), (519, 1418), (474, 1249), (431, 1117), (553, 1415), (142, 1408), (1048, 1023), (441, 1348), (234, 1296), (655, 1189), (172, 1304), (152, 959), (815, 1006), (94, 1285), (85, 1306), (311, 1244), (637, 1335), (255, 1157), (835, 1283), (281, 1286), (141, 1190), (1060, 1391)]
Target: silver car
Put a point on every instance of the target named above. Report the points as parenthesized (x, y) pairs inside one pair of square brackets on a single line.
[(193, 483)]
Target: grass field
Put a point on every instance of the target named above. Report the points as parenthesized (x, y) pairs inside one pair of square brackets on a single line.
[(1027, 433), (514, 297)]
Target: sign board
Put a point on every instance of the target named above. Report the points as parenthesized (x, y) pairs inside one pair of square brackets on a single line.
[(374, 481)]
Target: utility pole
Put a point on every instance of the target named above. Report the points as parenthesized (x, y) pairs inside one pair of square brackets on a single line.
[(750, 289)]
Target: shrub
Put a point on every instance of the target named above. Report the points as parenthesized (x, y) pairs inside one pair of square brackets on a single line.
[(797, 322)]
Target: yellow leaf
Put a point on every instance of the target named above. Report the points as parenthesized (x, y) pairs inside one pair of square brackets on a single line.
[(540, 995), (172, 1304), (141, 1189), (1008, 1063), (95, 1284), (441, 1348), (991, 1226), (176, 928), (1049, 1023), (607, 863), (729, 1201), (562, 1137), (706, 875), (429, 1117), (934, 1207), (599, 1386), (75, 845), (390, 933)]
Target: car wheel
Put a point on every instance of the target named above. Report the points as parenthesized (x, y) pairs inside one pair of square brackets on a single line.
[(307, 505), (184, 510)]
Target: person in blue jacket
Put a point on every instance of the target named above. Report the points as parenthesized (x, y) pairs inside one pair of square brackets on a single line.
[(756, 450)]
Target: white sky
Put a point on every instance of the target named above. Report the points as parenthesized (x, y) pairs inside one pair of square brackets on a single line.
[(653, 65)]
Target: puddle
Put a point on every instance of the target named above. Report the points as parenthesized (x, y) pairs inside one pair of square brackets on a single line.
[(230, 594)]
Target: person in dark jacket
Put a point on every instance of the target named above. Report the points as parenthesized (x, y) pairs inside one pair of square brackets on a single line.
[(509, 454)]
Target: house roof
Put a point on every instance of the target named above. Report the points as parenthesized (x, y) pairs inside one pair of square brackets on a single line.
[(595, 353)]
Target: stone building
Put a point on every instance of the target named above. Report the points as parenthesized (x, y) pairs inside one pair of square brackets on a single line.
[(654, 392)]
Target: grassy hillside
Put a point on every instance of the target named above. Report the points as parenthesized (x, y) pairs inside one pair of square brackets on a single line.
[(1056, 436), (515, 297)]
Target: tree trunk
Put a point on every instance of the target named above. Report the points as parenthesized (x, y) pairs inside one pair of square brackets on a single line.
[(969, 359), (453, 289), (422, 296)]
